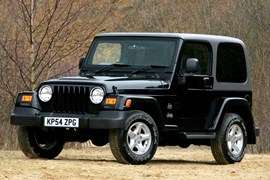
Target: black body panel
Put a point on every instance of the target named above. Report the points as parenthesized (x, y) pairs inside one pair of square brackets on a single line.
[(185, 103)]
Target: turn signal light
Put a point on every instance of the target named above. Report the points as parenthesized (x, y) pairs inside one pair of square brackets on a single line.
[(128, 103), (27, 98), (110, 101)]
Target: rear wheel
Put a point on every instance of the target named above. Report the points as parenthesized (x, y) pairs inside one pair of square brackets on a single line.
[(229, 145), (136, 144), (35, 142)]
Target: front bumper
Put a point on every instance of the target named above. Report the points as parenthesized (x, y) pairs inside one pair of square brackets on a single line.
[(110, 119)]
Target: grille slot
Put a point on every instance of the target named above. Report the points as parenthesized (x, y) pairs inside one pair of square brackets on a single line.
[(71, 99)]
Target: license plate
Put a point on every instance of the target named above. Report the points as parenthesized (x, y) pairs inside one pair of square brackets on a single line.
[(61, 122)]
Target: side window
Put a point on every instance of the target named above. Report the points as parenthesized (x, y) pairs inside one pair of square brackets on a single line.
[(200, 51), (231, 66)]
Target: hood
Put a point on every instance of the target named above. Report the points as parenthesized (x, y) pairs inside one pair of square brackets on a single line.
[(121, 83)]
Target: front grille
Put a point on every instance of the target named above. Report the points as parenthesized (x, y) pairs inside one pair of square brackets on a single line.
[(70, 99)]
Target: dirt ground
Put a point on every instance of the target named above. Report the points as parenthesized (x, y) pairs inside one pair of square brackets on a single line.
[(99, 163)]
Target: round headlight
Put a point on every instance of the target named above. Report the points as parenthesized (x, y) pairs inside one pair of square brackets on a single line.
[(45, 93), (97, 95)]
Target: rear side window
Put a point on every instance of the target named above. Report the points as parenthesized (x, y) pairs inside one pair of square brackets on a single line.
[(231, 65)]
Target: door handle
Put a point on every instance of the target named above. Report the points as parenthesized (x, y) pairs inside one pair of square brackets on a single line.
[(207, 83)]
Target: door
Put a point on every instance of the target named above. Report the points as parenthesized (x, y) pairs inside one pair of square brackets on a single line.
[(194, 94)]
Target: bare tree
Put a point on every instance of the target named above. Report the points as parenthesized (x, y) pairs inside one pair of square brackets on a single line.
[(258, 25), (43, 35), (40, 40)]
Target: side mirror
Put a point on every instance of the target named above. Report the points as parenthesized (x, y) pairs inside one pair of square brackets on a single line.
[(81, 62), (192, 65)]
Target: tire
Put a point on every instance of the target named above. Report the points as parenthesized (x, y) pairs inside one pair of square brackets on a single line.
[(184, 144), (37, 143), (229, 145), (137, 143), (99, 142)]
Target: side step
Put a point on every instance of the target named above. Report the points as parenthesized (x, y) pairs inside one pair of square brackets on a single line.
[(197, 135)]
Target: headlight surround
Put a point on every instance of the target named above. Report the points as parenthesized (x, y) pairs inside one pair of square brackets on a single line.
[(45, 93), (97, 95)]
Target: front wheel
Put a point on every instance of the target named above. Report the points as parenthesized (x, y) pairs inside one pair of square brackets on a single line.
[(137, 143), (229, 145), (37, 143)]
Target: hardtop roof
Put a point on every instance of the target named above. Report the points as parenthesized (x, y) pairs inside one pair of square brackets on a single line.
[(184, 36)]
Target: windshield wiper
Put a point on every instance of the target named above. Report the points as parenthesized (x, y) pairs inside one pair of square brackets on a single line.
[(144, 69), (158, 66), (140, 70), (111, 66)]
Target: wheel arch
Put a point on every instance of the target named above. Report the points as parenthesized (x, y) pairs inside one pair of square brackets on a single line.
[(238, 106), (147, 104)]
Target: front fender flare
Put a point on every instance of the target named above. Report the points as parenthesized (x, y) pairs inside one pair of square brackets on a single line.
[(138, 102)]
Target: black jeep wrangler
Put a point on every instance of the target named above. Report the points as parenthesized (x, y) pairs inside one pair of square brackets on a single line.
[(138, 91)]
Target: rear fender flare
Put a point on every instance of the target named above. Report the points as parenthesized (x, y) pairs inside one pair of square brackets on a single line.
[(236, 105)]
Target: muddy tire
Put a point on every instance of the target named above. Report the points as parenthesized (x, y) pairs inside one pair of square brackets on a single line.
[(229, 145), (36, 143), (137, 143)]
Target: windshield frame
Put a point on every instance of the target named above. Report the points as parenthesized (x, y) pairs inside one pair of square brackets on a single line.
[(134, 40), (129, 68)]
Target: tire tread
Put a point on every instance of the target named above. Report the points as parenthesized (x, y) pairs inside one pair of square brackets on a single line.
[(115, 148), (217, 148), (24, 143)]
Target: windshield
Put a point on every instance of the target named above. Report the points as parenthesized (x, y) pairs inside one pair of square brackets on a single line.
[(132, 51)]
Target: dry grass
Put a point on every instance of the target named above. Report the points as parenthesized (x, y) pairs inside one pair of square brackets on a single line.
[(98, 163)]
